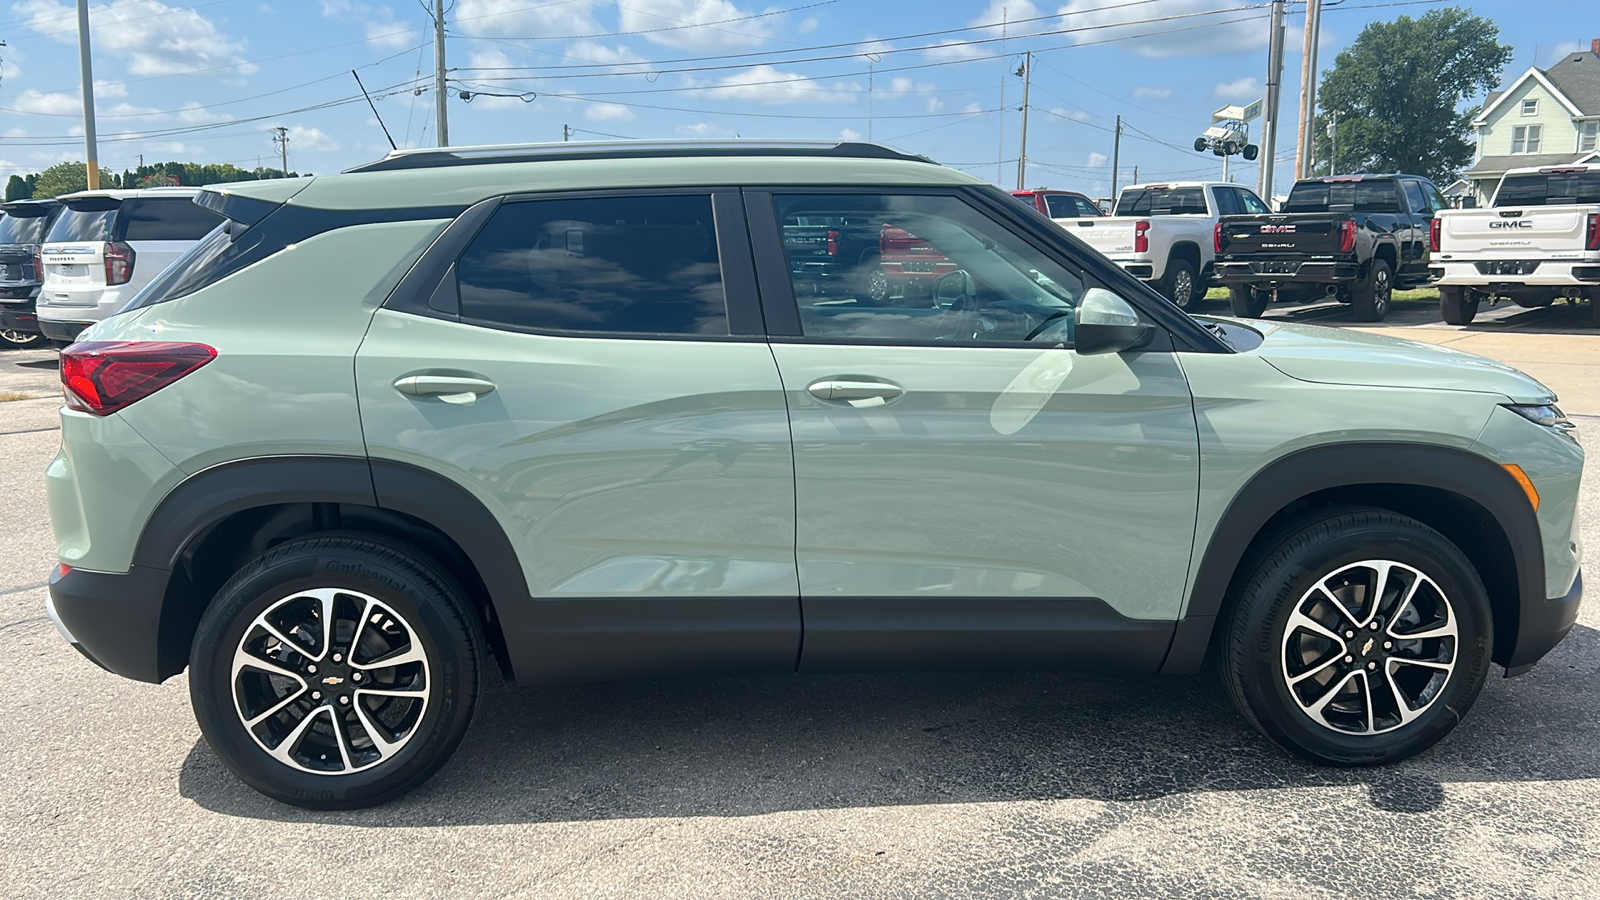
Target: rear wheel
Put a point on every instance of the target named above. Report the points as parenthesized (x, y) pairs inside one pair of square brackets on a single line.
[(1360, 637), (1458, 305), (9, 338), (1369, 302), (336, 672), (1181, 284), (1247, 302)]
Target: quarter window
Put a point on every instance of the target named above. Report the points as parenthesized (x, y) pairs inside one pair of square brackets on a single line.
[(920, 268), (1525, 139), (621, 265)]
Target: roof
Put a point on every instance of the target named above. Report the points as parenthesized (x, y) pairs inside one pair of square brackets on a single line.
[(489, 154), (1538, 75), (1497, 165), (1578, 77)]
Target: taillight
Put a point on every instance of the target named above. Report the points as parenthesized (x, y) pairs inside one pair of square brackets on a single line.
[(1141, 237), (119, 262), (102, 377), (1216, 237), (1437, 226), (1592, 239), (833, 243), (1347, 235), (38, 262)]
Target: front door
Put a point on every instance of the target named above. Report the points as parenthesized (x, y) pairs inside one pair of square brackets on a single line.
[(970, 490), (589, 384)]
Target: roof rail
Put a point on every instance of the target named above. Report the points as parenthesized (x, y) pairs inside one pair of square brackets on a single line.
[(445, 157)]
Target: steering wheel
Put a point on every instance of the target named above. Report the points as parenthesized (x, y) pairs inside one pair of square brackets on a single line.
[(1047, 320)]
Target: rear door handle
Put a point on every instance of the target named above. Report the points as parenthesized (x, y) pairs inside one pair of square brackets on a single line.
[(449, 388), (857, 392)]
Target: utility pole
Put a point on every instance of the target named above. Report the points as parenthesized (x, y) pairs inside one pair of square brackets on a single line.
[(1000, 133), (1269, 131), (1116, 157), (1027, 81), (280, 137), (1306, 149), (1333, 139), (440, 97), (566, 133), (89, 142)]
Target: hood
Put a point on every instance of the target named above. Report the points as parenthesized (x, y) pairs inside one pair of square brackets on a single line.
[(1345, 356)]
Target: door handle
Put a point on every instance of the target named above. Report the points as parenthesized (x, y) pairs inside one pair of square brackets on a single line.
[(449, 388), (857, 392)]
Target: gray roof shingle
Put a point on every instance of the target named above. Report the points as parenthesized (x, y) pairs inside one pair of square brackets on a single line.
[(1578, 77), (1497, 165)]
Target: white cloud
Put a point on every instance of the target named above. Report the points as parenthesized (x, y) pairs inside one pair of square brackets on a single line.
[(589, 52), (991, 23), (1181, 37), (151, 37), (32, 101), (849, 134), (1151, 93), (520, 18), (303, 140), (1076, 115), (383, 30), (109, 89), (608, 112), (649, 15), (765, 84), (703, 130), (1246, 88), (1097, 160)]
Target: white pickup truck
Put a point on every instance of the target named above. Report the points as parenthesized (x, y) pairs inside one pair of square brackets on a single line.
[(1166, 233), (1538, 241)]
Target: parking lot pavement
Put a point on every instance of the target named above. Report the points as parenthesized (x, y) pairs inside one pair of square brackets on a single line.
[(838, 786)]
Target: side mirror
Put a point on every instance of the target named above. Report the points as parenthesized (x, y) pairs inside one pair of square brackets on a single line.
[(1107, 324), (952, 288)]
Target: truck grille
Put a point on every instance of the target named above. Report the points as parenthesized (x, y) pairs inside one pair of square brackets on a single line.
[(1507, 267)]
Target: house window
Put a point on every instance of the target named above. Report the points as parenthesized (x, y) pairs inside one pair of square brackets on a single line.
[(1589, 135), (1525, 139), (1530, 107)]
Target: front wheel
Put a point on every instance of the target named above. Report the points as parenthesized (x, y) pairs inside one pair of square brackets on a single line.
[(1181, 284), (1247, 302), (1458, 305), (336, 671), (1369, 302), (1361, 637)]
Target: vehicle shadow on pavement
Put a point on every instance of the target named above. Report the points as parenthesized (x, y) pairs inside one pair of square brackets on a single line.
[(754, 745)]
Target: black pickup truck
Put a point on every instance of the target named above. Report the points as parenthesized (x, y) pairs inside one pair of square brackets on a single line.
[(1353, 237), (22, 230)]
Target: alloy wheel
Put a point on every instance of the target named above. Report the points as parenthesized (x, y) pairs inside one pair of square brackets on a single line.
[(1369, 648), (330, 681), (19, 339), (1381, 288), (1183, 289)]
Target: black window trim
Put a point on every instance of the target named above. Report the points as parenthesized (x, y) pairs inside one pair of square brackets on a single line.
[(1175, 331), (424, 291)]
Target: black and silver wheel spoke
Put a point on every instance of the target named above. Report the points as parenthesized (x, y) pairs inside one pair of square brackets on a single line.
[(330, 681), (1369, 647)]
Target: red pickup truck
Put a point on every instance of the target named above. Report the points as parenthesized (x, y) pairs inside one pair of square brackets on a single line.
[(1059, 204)]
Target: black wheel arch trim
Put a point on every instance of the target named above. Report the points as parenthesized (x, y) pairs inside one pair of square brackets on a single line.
[(1304, 473)]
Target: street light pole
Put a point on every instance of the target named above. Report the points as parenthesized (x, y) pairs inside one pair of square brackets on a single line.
[(89, 143), (1269, 131), (440, 97)]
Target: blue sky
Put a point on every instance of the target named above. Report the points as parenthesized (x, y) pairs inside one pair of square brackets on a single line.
[(205, 82)]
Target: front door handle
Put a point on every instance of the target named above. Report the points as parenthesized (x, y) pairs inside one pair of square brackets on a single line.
[(857, 392), (449, 388)]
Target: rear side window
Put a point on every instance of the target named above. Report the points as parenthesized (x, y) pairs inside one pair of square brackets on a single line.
[(1162, 201), (1251, 203), (1087, 208), (166, 219), (1549, 189), (1227, 202), (622, 265), (1414, 197), (82, 225)]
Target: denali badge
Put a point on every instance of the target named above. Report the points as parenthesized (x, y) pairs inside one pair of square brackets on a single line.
[(1277, 229), (1510, 223)]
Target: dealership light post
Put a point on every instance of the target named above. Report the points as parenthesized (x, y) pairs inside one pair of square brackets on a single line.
[(1269, 129), (88, 96)]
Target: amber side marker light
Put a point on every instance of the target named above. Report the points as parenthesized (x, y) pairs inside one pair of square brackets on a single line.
[(1526, 482)]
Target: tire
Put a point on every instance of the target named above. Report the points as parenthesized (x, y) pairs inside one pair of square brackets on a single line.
[(1247, 302), (398, 604), (1594, 311), (1181, 285), (1458, 305), (1369, 301), (10, 338), (1331, 714), (866, 277)]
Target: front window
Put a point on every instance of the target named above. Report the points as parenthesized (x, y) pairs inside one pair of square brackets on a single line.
[(917, 268), (1530, 107), (1525, 139)]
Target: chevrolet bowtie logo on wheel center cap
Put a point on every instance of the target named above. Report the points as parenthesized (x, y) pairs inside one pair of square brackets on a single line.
[(333, 680), (1365, 649)]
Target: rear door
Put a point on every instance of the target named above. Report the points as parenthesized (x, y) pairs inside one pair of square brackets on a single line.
[(592, 369), (74, 253), (970, 490)]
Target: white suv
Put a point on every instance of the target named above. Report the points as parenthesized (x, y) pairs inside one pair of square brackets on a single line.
[(106, 245)]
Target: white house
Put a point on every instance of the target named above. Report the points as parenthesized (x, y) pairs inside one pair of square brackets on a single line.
[(1547, 117)]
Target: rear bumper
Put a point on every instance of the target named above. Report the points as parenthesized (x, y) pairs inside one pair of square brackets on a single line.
[(19, 317), (1278, 272), (57, 330), (1546, 273), (116, 620), (1541, 626)]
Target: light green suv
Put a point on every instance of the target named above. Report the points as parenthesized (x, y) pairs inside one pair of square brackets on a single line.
[(616, 410)]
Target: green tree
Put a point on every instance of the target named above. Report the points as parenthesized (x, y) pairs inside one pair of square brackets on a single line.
[(17, 188), (1399, 89), (64, 178)]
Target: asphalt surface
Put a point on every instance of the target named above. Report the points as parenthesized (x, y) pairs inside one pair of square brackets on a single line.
[(837, 786)]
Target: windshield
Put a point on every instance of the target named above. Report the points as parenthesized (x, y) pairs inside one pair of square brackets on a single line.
[(1549, 189), (22, 229), (1162, 201), (1359, 196), (82, 226)]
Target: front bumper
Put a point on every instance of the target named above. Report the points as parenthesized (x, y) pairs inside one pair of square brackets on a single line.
[(1541, 626), (1276, 272), (117, 621)]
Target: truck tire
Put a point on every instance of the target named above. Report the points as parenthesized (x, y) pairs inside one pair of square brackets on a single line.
[(1457, 305), (1369, 301), (1247, 302), (1181, 285)]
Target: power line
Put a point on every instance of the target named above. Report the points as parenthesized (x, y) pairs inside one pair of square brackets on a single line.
[(612, 34)]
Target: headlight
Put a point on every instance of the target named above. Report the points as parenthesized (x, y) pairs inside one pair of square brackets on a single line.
[(1546, 415)]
